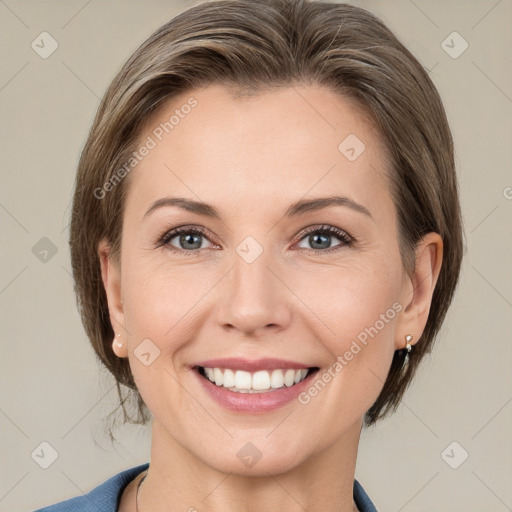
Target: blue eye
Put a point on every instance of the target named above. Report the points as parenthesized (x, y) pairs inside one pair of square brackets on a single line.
[(320, 239), (188, 240)]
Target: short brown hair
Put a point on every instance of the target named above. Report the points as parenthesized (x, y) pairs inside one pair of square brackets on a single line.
[(255, 45)]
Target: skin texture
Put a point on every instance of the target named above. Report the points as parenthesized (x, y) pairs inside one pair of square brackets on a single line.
[(251, 158)]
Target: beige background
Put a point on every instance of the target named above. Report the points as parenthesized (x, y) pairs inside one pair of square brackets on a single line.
[(51, 386)]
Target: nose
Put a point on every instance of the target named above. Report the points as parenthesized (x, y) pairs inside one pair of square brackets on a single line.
[(253, 298)]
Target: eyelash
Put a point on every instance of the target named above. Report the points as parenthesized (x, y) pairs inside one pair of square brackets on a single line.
[(347, 240)]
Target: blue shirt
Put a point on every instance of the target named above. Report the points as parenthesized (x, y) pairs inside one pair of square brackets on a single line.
[(106, 497)]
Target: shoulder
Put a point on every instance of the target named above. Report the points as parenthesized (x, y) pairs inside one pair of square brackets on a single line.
[(363, 501), (105, 497)]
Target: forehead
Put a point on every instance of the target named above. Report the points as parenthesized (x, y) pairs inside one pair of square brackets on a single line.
[(278, 145)]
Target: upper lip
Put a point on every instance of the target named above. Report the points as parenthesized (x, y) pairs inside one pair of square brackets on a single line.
[(240, 363)]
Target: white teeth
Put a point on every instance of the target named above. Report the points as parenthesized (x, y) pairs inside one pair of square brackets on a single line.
[(277, 379), (228, 379), (218, 376), (258, 382), (261, 380), (242, 380), (289, 377)]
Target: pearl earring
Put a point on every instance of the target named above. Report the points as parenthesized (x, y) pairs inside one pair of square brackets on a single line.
[(408, 347), (118, 343)]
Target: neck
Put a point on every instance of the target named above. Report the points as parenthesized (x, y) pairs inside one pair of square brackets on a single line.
[(179, 479)]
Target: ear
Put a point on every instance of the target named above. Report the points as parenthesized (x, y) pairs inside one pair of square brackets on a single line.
[(111, 277), (418, 289)]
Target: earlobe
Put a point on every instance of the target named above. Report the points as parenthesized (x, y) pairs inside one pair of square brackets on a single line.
[(118, 346), (111, 278), (419, 288)]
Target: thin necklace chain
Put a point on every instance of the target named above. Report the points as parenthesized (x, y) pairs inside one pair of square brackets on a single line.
[(137, 493)]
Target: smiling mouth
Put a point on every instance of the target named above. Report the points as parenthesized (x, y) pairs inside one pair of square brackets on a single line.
[(262, 381)]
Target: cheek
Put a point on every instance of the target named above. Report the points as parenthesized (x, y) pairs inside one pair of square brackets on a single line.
[(160, 301), (358, 307), (160, 293), (352, 295), (355, 308)]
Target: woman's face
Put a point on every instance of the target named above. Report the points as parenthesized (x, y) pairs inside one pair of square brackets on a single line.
[(266, 277)]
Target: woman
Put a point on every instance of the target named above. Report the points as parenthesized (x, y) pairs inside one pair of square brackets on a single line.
[(265, 239)]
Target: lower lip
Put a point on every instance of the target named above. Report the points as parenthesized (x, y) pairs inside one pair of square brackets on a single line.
[(254, 402)]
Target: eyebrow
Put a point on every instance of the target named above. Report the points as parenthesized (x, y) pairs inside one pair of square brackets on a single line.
[(309, 205), (298, 208)]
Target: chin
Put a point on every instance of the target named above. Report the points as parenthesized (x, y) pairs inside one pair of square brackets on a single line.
[(254, 458)]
